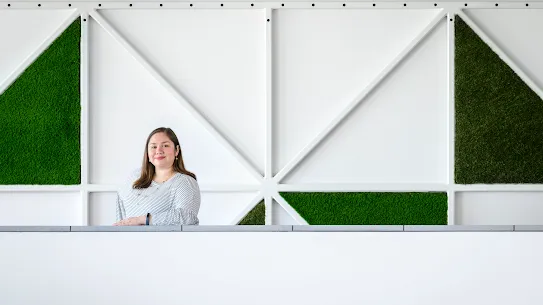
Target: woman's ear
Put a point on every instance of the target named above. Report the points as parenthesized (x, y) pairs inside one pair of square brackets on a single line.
[(177, 150)]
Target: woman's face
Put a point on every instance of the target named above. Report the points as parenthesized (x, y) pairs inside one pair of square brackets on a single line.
[(161, 151)]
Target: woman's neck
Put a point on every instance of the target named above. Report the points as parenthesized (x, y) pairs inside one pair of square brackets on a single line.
[(162, 175)]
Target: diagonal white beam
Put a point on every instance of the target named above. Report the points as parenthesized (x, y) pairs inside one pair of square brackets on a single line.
[(494, 47), (291, 211), (32, 57), (183, 100), (359, 98), (256, 200)]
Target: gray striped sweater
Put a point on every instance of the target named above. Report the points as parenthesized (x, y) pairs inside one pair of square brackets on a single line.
[(174, 202)]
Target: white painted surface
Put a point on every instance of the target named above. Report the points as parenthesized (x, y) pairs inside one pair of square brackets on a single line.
[(126, 104), (280, 216), (102, 208), (216, 58), (306, 268), (40, 209), (517, 33), (499, 208), (18, 39), (398, 134), (220, 208), (323, 59)]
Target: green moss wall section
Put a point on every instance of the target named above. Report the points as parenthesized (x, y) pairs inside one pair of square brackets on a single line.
[(257, 216), (40, 118), (370, 208), (499, 119)]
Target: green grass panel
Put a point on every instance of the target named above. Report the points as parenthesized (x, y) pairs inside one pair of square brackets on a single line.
[(370, 208), (499, 119), (257, 216), (40, 117)]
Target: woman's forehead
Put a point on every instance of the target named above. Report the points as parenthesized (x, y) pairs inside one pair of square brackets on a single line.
[(159, 138)]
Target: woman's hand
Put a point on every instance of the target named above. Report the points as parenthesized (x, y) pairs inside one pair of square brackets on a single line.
[(132, 221)]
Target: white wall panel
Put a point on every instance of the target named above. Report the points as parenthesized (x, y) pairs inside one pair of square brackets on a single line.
[(220, 208), (20, 37), (398, 134), (126, 104), (499, 208), (248, 268), (40, 208), (518, 34), (102, 208), (214, 57), (323, 59), (280, 216)]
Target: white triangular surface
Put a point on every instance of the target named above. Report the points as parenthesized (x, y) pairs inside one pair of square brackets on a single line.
[(216, 58), (518, 34), (398, 134), (21, 34), (323, 59), (127, 103)]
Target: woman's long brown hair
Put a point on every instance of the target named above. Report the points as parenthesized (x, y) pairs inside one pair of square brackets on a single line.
[(148, 169)]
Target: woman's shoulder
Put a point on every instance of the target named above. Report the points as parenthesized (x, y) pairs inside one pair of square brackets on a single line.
[(185, 181)]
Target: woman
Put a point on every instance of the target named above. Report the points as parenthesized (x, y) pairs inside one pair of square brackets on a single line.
[(163, 192)]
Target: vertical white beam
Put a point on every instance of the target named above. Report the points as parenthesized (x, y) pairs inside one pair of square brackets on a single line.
[(268, 169), (84, 131), (451, 117), (268, 202)]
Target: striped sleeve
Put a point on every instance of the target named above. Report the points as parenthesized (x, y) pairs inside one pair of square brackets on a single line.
[(120, 209)]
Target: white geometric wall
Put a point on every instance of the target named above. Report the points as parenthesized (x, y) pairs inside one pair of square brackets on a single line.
[(270, 97)]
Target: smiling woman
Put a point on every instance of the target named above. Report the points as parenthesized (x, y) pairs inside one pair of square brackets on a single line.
[(163, 192)]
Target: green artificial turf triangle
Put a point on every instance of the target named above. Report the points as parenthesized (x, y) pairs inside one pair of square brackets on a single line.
[(40, 117), (257, 216), (499, 119)]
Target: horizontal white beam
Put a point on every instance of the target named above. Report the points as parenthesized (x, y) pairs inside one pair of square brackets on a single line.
[(498, 187), (228, 4), (208, 188), (40, 188), (310, 187), (363, 187)]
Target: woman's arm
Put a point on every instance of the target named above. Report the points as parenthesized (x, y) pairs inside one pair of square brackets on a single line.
[(120, 209), (185, 208)]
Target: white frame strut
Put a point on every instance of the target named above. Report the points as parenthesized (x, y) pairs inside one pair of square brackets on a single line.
[(271, 185)]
